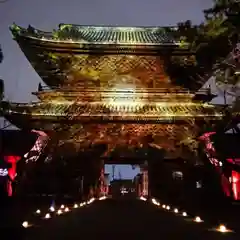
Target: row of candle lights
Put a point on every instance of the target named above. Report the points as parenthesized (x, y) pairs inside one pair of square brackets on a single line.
[(221, 228), (61, 210)]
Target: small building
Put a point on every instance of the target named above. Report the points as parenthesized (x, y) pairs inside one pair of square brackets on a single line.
[(121, 187)]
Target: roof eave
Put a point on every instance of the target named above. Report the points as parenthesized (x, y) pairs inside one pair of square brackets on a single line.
[(78, 47), (116, 118), (22, 33)]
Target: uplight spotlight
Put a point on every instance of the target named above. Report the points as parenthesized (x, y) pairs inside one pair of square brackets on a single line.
[(66, 209), (143, 198), (103, 198), (25, 224), (184, 214), (155, 202), (222, 229), (59, 212), (38, 211), (52, 209), (91, 201), (198, 219), (47, 216)]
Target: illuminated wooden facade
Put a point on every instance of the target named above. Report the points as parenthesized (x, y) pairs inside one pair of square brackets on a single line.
[(108, 85)]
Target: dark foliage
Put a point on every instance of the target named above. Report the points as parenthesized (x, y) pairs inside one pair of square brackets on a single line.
[(211, 41)]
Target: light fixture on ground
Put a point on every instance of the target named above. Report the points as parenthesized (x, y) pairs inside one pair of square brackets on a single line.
[(222, 228), (59, 212), (66, 209), (47, 216), (155, 202), (143, 198), (168, 207), (75, 205), (102, 198), (52, 209), (175, 210), (91, 201), (25, 224), (184, 214), (163, 206), (198, 219), (38, 211)]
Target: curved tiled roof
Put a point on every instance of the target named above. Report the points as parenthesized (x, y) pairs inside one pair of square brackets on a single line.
[(125, 35), (103, 95), (102, 34), (91, 55), (113, 111)]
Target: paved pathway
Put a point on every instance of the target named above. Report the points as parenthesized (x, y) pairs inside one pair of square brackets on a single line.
[(122, 219)]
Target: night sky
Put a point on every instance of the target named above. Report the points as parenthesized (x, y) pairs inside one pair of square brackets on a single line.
[(20, 78)]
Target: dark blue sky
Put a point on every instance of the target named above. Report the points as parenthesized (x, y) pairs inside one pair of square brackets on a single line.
[(21, 79)]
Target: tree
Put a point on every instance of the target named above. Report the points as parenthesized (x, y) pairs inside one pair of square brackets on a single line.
[(211, 41), (222, 20)]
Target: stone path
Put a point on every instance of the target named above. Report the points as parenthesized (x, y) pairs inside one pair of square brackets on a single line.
[(122, 219)]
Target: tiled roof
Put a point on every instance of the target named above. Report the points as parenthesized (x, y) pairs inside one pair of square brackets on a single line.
[(102, 34), (125, 35), (92, 110), (102, 95)]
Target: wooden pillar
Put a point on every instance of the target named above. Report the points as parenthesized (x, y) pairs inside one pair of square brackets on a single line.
[(145, 184), (102, 180)]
